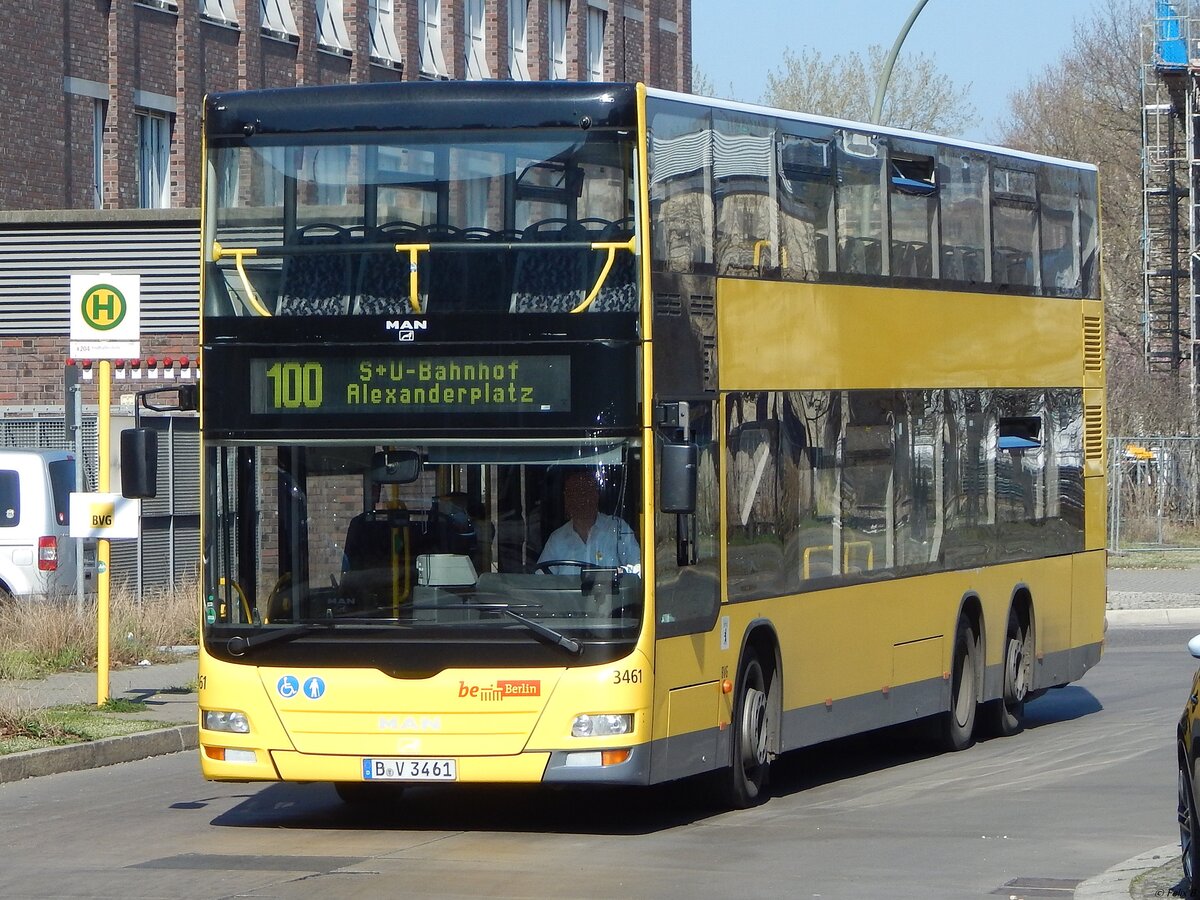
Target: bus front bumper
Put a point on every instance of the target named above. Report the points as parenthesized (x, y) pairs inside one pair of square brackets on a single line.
[(553, 767)]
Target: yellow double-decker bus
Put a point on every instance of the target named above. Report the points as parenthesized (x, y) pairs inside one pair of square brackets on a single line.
[(594, 434)]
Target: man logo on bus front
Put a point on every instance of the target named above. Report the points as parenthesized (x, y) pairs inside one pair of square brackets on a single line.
[(406, 329)]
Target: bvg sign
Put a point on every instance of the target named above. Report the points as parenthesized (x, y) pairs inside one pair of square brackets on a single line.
[(105, 315)]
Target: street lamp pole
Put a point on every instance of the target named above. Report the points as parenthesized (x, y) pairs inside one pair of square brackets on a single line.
[(885, 74)]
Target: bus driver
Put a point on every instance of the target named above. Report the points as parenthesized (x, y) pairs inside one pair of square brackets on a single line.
[(589, 536)]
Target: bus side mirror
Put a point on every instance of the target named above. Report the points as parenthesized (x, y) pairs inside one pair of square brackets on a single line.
[(677, 488), (139, 463)]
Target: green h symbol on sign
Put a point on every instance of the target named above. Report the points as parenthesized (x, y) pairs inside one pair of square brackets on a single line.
[(103, 307)]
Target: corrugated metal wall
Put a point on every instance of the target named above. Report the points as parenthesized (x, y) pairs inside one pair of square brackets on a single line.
[(37, 259)]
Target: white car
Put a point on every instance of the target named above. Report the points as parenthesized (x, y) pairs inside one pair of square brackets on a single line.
[(37, 555)]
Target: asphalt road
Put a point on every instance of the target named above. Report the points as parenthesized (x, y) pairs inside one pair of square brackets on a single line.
[(1089, 784)]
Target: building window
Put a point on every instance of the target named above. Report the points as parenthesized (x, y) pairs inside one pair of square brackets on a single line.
[(222, 11), (558, 39), (518, 54), (331, 26), (99, 111), (429, 31), (596, 18), (477, 67), (277, 19), (154, 154), (382, 16)]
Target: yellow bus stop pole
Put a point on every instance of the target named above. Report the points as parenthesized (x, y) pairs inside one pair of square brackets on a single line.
[(102, 580)]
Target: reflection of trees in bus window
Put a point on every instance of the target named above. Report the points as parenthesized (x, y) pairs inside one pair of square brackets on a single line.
[(828, 487), (1088, 238), (1014, 228), (688, 592), (681, 205), (1060, 236), (913, 210), (860, 204), (743, 185), (806, 211), (962, 192)]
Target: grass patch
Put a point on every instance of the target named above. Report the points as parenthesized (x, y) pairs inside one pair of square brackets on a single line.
[(39, 637), (1154, 559), (120, 705), (32, 729)]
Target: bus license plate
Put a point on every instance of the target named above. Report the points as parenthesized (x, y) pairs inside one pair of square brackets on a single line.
[(409, 770)]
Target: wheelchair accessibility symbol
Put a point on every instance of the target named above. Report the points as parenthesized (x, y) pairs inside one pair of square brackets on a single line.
[(288, 686), (314, 688)]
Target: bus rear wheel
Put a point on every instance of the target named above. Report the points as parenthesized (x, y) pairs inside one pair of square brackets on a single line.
[(958, 723), (1006, 714), (744, 781)]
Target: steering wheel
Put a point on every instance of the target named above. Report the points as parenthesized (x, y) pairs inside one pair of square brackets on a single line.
[(544, 567)]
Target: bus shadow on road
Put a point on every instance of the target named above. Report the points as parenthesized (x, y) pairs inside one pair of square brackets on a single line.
[(886, 748), (433, 810), (483, 808)]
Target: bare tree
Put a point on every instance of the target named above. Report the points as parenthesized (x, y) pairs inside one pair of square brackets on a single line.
[(920, 96), (1087, 106)]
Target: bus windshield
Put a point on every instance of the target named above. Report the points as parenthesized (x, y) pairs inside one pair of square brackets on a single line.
[(504, 221), (445, 542)]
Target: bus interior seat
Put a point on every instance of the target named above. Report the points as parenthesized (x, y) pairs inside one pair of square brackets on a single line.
[(619, 291), (952, 264), (912, 259), (314, 283), (860, 256), (378, 542), (382, 286), (1011, 266), (550, 279)]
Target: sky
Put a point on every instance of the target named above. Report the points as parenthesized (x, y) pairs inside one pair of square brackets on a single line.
[(995, 45)]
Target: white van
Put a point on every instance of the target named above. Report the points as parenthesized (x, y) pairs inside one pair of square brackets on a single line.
[(37, 555)]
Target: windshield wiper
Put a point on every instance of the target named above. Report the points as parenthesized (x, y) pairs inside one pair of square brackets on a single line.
[(239, 644), (553, 636), (557, 638)]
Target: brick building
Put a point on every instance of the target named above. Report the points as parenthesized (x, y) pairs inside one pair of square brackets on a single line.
[(100, 138)]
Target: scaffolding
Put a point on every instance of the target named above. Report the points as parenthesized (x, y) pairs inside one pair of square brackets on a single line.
[(1171, 189)]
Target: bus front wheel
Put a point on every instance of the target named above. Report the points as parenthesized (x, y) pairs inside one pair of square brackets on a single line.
[(958, 723), (745, 780)]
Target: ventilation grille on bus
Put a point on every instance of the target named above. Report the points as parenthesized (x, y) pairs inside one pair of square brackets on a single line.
[(1093, 344), (703, 308), (668, 304), (1093, 432)]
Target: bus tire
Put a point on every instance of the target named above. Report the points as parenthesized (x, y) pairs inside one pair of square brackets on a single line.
[(743, 783), (1005, 715), (958, 722)]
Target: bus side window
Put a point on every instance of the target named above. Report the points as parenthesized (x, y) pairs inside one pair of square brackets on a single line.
[(680, 195)]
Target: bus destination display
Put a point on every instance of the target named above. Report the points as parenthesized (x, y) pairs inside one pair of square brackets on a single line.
[(379, 385)]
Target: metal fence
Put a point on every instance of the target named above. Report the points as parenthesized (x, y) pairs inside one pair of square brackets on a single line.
[(1153, 493)]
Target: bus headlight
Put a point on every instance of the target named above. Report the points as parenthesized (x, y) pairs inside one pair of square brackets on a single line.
[(219, 720), (604, 725)]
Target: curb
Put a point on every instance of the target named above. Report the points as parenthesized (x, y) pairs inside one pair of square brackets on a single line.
[(1134, 617), (1114, 883), (94, 754)]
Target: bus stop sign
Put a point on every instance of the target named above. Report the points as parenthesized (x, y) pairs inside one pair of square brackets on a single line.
[(105, 315)]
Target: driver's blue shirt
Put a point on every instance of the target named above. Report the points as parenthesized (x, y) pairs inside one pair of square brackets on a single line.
[(610, 545)]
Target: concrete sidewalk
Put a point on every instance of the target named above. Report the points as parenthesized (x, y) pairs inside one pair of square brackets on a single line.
[(167, 689)]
